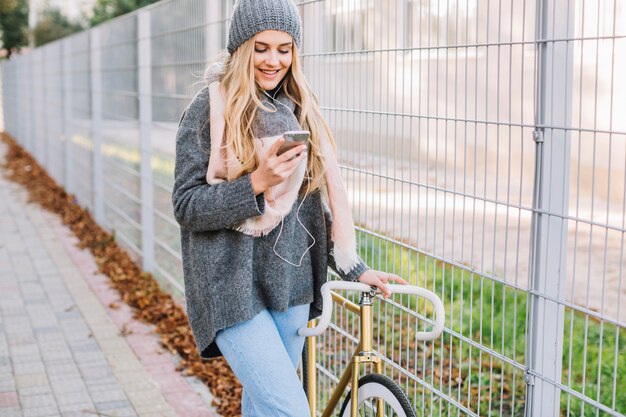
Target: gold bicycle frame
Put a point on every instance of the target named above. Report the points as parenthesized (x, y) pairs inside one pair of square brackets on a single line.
[(362, 355)]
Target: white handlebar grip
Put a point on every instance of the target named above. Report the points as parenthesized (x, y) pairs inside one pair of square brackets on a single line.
[(327, 298), (324, 321), (440, 312)]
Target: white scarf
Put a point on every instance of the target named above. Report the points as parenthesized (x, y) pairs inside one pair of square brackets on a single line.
[(281, 198)]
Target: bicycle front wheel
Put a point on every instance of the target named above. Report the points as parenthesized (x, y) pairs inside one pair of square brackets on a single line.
[(376, 386)]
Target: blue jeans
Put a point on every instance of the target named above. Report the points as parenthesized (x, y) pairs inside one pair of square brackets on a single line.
[(264, 353)]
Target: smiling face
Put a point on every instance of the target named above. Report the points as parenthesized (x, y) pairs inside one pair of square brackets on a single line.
[(273, 54)]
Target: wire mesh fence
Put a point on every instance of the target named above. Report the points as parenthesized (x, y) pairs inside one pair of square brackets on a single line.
[(483, 144)]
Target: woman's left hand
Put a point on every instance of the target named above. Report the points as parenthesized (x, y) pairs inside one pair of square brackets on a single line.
[(380, 279)]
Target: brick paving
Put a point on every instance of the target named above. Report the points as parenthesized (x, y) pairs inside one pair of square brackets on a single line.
[(68, 345)]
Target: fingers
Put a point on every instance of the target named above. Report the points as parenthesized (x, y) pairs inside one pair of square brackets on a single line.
[(275, 147), (294, 162), (384, 279), (380, 280), (285, 169), (276, 171), (372, 278), (291, 153), (383, 288), (397, 279)]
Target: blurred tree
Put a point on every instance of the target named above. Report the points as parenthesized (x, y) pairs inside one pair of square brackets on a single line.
[(108, 9), (13, 25), (53, 25), (7, 6)]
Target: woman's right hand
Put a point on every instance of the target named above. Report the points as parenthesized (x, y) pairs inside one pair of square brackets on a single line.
[(274, 169)]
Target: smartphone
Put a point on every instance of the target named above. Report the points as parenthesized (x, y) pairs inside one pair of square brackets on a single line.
[(294, 138)]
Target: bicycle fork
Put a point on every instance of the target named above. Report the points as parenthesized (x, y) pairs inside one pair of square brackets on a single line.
[(366, 355), (363, 355)]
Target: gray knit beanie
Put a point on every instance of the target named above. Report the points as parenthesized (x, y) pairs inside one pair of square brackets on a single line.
[(253, 16)]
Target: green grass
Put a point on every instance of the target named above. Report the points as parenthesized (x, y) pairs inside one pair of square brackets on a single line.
[(594, 360), (491, 315), (486, 312)]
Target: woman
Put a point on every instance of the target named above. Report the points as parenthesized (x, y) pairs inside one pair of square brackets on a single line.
[(257, 236)]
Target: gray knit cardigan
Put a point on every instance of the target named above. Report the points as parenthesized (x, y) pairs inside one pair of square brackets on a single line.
[(230, 276)]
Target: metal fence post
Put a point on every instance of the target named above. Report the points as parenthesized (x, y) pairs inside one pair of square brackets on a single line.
[(20, 131), (144, 65), (46, 146), (12, 111), (19, 94), (212, 33), (68, 167), (96, 125), (34, 143), (544, 348), (18, 124), (13, 121), (216, 28), (8, 100), (2, 93), (3, 97), (37, 96), (28, 141)]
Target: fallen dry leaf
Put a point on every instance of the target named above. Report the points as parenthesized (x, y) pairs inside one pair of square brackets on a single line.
[(136, 288)]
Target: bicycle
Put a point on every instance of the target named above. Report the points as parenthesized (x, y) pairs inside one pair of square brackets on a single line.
[(372, 388)]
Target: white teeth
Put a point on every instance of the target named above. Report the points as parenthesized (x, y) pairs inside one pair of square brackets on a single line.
[(270, 72)]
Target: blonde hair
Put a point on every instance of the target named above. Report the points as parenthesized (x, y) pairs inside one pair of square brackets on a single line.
[(242, 99)]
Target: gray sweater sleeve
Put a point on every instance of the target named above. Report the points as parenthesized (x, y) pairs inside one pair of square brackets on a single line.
[(199, 206)]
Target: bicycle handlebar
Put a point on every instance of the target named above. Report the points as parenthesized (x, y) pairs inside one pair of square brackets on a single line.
[(324, 321)]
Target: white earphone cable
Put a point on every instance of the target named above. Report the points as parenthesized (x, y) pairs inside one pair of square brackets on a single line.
[(299, 221), (282, 222)]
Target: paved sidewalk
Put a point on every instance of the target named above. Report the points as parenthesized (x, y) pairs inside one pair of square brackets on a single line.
[(68, 346)]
